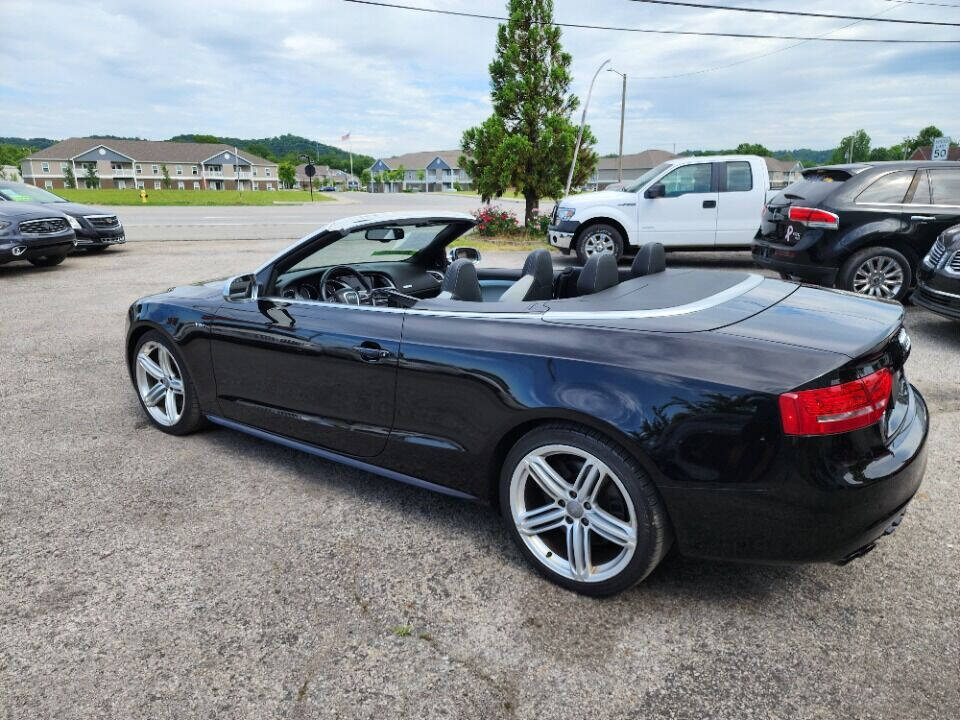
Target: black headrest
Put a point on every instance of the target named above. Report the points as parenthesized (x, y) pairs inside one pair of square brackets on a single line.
[(598, 274), (461, 282), (539, 265), (650, 259)]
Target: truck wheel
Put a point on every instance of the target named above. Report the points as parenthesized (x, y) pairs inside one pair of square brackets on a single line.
[(46, 260), (877, 272), (599, 239)]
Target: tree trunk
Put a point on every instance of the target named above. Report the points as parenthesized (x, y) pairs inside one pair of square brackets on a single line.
[(532, 204)]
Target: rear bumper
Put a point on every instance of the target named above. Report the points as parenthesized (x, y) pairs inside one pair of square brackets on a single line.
[(819, 506), (793, 261), (20, 248)]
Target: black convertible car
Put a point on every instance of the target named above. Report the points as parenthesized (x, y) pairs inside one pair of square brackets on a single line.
[(609, 415)]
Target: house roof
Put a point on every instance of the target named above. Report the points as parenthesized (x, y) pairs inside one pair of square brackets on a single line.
[(143, 150), (924, 153), (782, 165), (420, 160), (646, 159)]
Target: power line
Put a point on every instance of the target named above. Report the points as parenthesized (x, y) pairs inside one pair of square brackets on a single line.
[(796, 13), (501, 18)]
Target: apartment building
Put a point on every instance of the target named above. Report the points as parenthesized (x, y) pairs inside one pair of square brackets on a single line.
[(325, 176), (429, 171), (634, 165), (125, 164)]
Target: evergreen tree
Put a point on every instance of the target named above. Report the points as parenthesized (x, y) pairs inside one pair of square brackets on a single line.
[(91, 180), (166, 182), (70, 180)]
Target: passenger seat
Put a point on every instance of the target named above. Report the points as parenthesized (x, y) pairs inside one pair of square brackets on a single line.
[(460, 282), (600, 273), (651, 258), (536, 282)]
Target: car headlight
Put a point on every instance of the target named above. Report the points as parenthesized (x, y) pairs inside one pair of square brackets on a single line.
[(566, 213), (73, 223)]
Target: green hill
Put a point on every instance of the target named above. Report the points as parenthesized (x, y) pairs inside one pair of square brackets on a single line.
[(288, 148)]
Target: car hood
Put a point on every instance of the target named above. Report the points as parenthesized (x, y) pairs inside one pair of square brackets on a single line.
[(27, 211), (77, 210), (951, 238), (603, 197)]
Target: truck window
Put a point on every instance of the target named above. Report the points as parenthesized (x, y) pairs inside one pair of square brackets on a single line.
[(888, 190), (945, 186), (739, 177), (689, 179)]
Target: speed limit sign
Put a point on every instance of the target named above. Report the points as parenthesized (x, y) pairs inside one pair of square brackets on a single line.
[(941, 148)]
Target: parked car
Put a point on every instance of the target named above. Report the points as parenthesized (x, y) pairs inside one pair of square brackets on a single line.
[(861, 227), (687, 203), (34, 233), (329, 188), (938, 288), (95, 229), (609, 415)]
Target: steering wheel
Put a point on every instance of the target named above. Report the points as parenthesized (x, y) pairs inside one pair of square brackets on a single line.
[(344, 295)]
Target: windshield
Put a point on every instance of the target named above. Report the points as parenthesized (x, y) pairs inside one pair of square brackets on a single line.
[(646, 177), (355, 248), (28, 193)]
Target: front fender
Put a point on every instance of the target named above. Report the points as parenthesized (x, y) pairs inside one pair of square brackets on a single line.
[(620, 215)]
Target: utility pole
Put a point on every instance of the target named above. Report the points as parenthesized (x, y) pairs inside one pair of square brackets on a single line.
[(623, 106), (583, 121)]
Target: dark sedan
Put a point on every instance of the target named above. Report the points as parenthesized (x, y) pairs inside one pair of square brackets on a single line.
[(610, 415), (861, 227), (939, 286), (34, 233), (95, 229)]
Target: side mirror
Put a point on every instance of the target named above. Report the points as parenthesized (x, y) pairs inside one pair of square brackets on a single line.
[(655, 191), (386, 234), (240, 287), (463, 253)]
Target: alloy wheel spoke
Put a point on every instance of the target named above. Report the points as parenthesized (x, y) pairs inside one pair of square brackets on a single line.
[(578, 550), (164, 357), (588, 481), (611, 528), (150, 367), (154, 395), (547, 478), (170, 405), (541, 519), (176, 384)]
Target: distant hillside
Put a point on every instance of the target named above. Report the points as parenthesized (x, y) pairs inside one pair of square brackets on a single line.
[(805, 155), (289, 148), (36, 143)]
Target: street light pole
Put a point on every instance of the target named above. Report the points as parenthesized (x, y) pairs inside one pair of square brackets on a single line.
[(623, 106), (583, 121)]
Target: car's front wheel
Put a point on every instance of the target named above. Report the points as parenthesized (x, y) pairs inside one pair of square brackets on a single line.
[(583, 511), (599, 239), (47, 260), (164, 386), (878, 272)]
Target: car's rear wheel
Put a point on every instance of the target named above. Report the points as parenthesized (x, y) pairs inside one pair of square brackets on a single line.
[(164, 386), (47, 260), (877, 272), (599, 239), (583, 511)]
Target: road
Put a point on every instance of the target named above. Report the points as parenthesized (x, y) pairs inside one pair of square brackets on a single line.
[(147, 576)]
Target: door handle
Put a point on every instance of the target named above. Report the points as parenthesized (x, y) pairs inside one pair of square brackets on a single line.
[(371, 352), (922, 218), (707, 204)]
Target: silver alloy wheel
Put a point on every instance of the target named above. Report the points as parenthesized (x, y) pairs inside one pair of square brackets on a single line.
[(879, 276), (160, 383), (598, 242), (561, 516)]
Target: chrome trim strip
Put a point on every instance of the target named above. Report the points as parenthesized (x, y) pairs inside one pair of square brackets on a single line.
[(338, 458), (926, 288)]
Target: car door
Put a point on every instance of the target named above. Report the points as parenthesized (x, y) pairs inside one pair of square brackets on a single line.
[(686, 215), (323, 373), (934, 206), (739, 206)]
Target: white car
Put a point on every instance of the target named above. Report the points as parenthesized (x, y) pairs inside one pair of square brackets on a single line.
[(703, 203)]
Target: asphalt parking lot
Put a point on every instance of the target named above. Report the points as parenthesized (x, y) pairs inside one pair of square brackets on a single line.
[(146, 576)]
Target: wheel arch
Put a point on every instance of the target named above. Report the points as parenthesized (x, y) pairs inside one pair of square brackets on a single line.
[(602, 220)]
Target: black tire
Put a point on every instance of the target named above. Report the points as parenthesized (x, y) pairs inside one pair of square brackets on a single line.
[(847, 277), (46, 260), (654, 535), (583, 241), (192, 417)]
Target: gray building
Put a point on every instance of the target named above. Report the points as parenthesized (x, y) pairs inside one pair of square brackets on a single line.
[(783, 172), (634, 165), (428, 171)]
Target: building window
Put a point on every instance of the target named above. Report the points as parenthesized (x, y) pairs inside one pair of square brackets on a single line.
[(116, 166), (45, 167), (63, 167), (48, 184), (155, 169), (193, 170), (269, 186), (196, 185), (157, 185), (180, 171), (140, 185), (268, 172), (121, 185), (254, 172), (180, 185)]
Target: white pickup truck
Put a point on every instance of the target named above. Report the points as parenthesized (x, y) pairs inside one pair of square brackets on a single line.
[(705, 202)]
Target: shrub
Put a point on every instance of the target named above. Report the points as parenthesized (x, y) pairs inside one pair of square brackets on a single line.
[(493, 220), (538, 225)]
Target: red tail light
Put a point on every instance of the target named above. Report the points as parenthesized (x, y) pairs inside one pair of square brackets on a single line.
[(841, 408), (811, 217)]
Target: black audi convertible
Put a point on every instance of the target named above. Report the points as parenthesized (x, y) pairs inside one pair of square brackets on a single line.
[(609, 414)]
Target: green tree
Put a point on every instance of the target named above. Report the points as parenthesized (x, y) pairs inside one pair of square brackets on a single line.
[(853, 148), (261, 150), (528, 141), (205, 138), (752, 149), (70, 180), (365, 177), (166, 182), (923, 139), (91, 180), (287, 174)]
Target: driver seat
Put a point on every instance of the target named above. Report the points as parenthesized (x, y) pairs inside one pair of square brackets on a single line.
[(460, 282)]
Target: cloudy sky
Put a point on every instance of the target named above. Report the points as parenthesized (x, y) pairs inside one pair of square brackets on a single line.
[(402, 81)]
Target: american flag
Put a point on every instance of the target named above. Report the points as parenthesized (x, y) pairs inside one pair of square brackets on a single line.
[(344, 138)]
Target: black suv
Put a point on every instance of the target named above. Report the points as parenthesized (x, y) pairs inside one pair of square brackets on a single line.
[(95, 229), (861, 227), (939, 286)]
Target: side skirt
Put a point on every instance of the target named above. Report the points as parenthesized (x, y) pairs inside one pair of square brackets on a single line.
[(338, 458)]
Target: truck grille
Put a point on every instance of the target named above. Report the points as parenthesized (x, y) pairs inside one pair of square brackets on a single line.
[(103, 221), (46, 226)]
